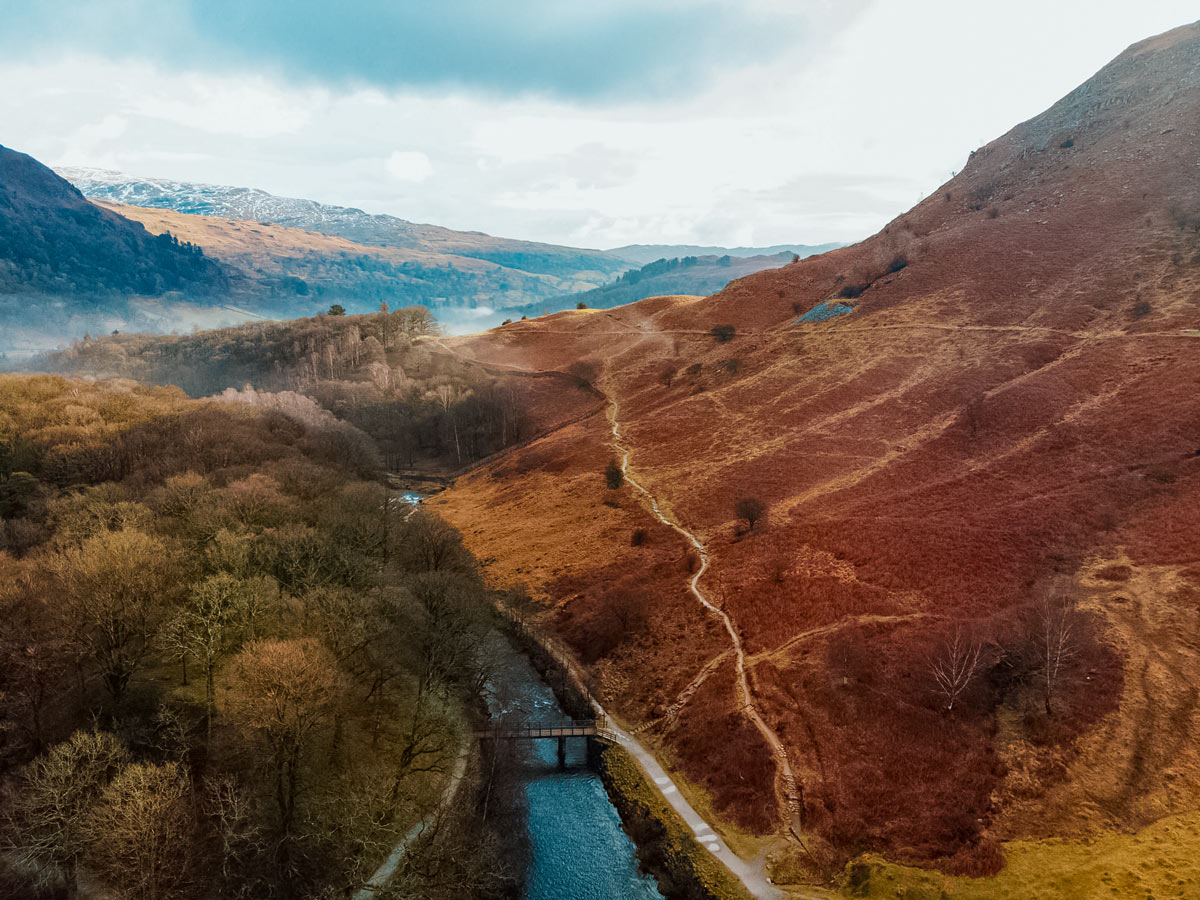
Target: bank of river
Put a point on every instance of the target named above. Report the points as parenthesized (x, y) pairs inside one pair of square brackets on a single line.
[(578, 848)]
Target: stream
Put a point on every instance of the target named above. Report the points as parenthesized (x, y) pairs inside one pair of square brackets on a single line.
[(579, 851)]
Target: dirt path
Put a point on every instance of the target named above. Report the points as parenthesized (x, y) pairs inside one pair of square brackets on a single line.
[(752, 874), (789, 793)]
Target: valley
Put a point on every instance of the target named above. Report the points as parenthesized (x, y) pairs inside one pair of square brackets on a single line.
[(834, 570)]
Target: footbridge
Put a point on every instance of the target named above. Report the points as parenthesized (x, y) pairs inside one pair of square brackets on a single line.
[(592, 729)]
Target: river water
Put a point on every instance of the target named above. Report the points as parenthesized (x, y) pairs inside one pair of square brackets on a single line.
[(579, 851)]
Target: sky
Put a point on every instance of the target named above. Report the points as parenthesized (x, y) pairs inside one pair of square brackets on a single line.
[(598, 124)]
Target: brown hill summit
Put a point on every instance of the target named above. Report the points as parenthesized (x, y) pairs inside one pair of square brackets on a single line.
[(984, 421)]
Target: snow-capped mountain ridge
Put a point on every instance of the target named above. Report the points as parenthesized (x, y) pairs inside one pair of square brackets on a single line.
[(373, 229)]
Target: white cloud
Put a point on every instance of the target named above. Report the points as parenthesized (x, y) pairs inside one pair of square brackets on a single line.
[(408, 165), (825, 144)]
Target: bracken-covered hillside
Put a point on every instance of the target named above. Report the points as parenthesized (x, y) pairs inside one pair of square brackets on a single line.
[(984, 421)]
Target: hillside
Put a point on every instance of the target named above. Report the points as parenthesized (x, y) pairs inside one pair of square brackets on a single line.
[(288, 271), (425, 412), (980, 423), (61, 256), (355, 225), (689, 275)]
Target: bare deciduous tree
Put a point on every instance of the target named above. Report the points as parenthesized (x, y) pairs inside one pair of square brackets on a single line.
[(52, 805), (140, 831), (429, 544), (955, 665), (234, 819), (213, 621), (1055, 643), (116, 588)]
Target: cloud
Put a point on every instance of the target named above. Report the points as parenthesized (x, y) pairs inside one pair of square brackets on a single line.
[(823, 139), (549, 47), (408, 165)]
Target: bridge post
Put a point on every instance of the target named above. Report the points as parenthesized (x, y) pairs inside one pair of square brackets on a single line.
[(562, 752)]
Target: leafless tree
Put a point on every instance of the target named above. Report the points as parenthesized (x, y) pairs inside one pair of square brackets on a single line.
[(116, 587), (955, 665), (428, 544), (232, 812), (56, 794), (213, 620), (140, 831), (1055, 643)]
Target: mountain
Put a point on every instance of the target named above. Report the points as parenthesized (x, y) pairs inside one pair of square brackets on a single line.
[(352, 224), (944, 488), (641, 254), (689, 275), (284, 272), (53, 238), (68, 266)]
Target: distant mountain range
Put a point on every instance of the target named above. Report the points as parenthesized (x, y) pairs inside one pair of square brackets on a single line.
[(701, 275), (54, 240), (361, 227), (648, 253), (162, 255)]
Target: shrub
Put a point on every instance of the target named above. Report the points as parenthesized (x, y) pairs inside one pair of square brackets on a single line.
[(897, 264), (581, 305), (639, 537), (723, 333), (1067, 144), (751, 509), (851, 291), (613, 476)]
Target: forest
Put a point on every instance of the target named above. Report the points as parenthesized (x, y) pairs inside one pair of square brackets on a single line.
[(231, 663), (378, 372)]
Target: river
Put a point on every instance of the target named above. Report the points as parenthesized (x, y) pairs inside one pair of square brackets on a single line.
[(579, 851)]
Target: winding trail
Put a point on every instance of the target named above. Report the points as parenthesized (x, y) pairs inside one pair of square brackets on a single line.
[(790, 793), (751, 873)]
